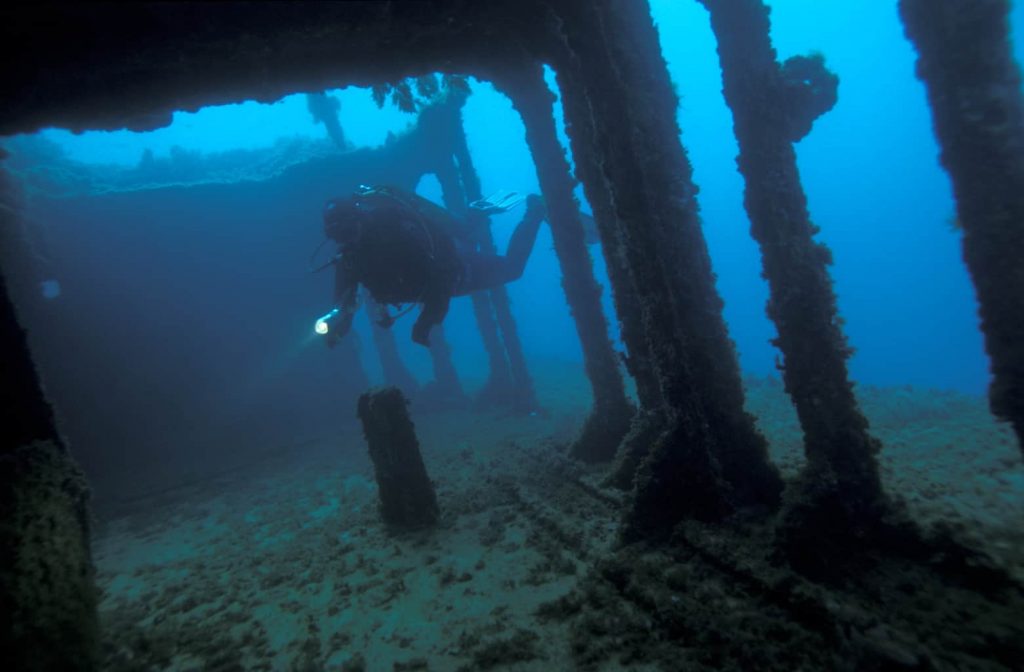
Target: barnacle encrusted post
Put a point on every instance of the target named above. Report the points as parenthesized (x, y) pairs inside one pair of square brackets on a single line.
[(48, 618), (407, 498), (839, 497), (974, 89), (649, 420), (610, 416), (621, 116)]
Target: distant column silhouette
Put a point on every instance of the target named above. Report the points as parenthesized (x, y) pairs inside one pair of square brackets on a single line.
[(450, 142), (394, 369), (498, 387), (324, 110)]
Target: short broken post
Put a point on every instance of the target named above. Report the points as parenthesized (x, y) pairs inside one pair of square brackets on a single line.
[(407, 498)]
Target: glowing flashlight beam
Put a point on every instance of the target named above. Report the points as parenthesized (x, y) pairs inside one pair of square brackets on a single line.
[(323, 325)]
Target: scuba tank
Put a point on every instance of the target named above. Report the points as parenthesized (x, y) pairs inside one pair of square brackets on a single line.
[(367, 199), (431, 215)]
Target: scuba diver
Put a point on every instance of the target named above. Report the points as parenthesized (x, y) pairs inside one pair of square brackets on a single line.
[(407, 250)]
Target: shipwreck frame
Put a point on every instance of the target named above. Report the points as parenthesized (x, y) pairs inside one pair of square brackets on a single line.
[(690, 452)]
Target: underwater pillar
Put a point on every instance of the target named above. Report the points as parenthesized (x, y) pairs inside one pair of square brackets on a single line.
[(839, 495), (498, 387), (48, 617), (649, 420), (524, 399), (348, 360), (441, 124), (395, 371), (965, 60), (407, 498), (446, 386), (620, 110), (610, 417)]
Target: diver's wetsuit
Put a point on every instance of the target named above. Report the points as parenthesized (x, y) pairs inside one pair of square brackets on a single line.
[(405, 249)]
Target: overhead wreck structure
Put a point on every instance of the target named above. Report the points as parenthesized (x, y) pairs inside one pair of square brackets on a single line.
[(690, 452)]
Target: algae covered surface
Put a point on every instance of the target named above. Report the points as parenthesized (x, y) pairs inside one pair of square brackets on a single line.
[(285, 564)]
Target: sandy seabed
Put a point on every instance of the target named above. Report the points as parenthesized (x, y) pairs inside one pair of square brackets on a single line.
[(284, 565)]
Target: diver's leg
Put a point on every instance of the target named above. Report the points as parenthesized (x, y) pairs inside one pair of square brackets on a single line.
[(523, 239), (483, 271), (435, 307)]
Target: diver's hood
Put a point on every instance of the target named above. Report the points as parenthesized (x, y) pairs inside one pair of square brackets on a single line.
[(342, 219)]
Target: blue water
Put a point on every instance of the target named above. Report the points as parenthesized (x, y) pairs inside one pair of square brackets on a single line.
[(869, 168)]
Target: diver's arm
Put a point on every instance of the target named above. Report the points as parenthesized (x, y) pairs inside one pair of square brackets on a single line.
[(346, 298), (435, 307)]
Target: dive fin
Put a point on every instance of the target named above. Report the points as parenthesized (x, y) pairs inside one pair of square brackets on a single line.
[(499, 201)]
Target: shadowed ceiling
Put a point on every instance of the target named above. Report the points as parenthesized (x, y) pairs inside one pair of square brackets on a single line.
[(110, 65)]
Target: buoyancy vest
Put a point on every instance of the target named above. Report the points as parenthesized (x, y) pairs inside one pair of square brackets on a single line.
[(406, 246)]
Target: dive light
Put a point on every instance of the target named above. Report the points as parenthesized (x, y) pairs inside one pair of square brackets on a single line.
[(327, 322)]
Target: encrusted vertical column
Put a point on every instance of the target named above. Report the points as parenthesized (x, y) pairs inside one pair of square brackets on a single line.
[(649, 420), (48, 618), (773, 106), (620, 112), (610, 417), (966, 62)]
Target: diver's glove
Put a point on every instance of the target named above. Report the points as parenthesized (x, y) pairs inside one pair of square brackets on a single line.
[(421, 333), (499, 201)]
